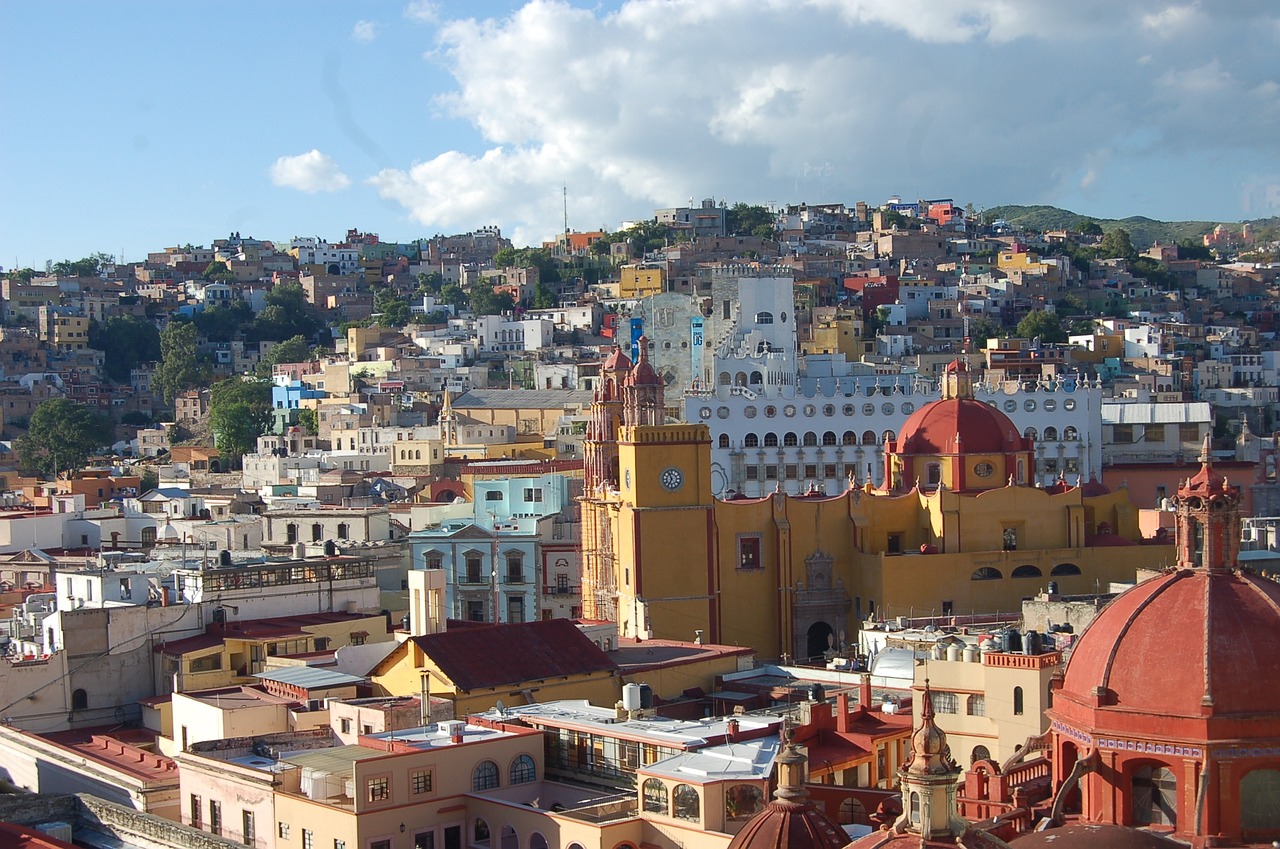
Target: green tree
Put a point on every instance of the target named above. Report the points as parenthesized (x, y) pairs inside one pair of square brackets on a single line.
[(1044, 325), (218, 272), (981, 329), (452, 294), (239, 412), (223, 323), (62, 435), (747, 220), (485, 301), (1090, 228), (542, 297), (1194, 249), (292, 350), (179, 368), (90, 266), (309, 421), (392, 309), (125, 341), (287, 313), (1117, 244)]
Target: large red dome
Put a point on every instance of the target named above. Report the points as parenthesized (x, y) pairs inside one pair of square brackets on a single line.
[(983, 429), (1196, 643)]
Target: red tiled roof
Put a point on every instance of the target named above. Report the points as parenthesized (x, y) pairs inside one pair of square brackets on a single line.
[(475, 658)]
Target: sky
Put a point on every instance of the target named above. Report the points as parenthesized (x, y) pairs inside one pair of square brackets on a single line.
[(134, 126)]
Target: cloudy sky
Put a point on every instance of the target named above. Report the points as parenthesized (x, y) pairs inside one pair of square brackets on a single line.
[(130, 127)]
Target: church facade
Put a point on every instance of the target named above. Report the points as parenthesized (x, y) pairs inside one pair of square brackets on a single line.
[(958, 528)]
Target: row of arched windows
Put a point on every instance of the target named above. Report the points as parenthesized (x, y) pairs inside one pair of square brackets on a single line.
[(486, 774), (990, 573), (810, 439), (683, 803), (291, 532), (1069, 434)]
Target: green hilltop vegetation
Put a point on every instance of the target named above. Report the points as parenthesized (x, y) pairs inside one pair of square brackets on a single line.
[(1143, 231)]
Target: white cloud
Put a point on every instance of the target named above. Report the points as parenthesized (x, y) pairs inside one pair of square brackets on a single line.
[(309, 172), (1172, 20), (422, 11), (768, 100), (364, 31)]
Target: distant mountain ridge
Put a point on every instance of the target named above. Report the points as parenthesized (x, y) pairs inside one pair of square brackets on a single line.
[(1143, 231)]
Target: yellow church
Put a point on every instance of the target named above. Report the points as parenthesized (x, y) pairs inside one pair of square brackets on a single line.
[(957, 529)]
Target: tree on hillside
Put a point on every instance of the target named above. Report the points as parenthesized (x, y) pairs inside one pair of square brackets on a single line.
[(1090, 228), (287, 314), (391, 308), (218, 272), (179, 368), (1117, 244), (125, 341), (1044, 325), (750, 220), (292, 350), (1192, 249), (239, 412), (90, 266), (62, 435), (981, 329), (222, 323), (485, 301)]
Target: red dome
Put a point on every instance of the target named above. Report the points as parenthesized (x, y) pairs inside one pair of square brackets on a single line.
[(983, 429), (643, 374), (790, 825), (1211, 634)]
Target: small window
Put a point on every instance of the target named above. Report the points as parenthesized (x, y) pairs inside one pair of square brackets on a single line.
[(420, 781), (523, 770), (749, 552), (764, 318), (1017, 701), (379, 788), (485, 776)]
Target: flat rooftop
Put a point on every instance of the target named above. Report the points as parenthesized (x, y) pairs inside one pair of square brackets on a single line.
[(581, 715)]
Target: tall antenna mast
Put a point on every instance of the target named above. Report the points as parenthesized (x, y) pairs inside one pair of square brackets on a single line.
[(566, 208)]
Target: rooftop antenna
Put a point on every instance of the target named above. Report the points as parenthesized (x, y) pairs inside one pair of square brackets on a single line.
[(565, 189)]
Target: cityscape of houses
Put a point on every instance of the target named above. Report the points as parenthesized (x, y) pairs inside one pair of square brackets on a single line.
[(739, 527)]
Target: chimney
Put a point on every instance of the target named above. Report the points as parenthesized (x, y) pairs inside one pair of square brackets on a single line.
[(842, 713), (864, 691), (731, 735)]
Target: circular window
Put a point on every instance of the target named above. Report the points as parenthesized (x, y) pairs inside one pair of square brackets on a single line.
[(810, 410), (770, 411), (868, 409), (722, 412), (1029, 406), (666, 346), (828, 409), (908, 407), (1010, 406), (684, 344), (788, 411), (1069, 404), (1050, 405), (887, 409), (848, 409), (749, 412), (783, 316), (704, 413), (983, 470)]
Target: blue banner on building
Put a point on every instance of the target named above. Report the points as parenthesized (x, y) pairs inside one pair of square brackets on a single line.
[(637, 330), (696, 342)]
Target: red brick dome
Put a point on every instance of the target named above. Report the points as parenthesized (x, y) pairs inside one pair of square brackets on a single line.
[(982, 429), (1212, 636), (790, 825)]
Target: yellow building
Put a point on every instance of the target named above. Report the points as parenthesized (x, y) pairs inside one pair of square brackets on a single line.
[(835, 332), (958, 530), (515, 664), (639, 281)]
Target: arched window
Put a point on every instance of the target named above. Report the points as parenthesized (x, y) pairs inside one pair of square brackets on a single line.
[(1155, 796), (537, 841), (757, 378), (1065, 569), (789, 440), (1051, 434), (751, 440), (1030, 433), (980, 753), (79, 699), (888, 436), (868, 437), (933, 474), (986, 573), (810, 440), (480, 832), (852, 812), (724, 440), (764, 318), (317, 532), (655, 796), (523, 770), (743, 801), (976, 705), (1017, 701), (1070, 434), (1260, 800), (685, 802), (291, 533), (849, 438), (344, 531), (724, 378), (945, 702), (829, 438), (915, 807), (1027, 572), (771, 440), (485, 776)]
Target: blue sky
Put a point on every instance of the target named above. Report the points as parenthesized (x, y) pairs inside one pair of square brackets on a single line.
[(133, 126)]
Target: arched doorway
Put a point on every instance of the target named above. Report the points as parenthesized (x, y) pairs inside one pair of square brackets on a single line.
[(1155, 796), (818, 639), (509, 839), (1070, 754)]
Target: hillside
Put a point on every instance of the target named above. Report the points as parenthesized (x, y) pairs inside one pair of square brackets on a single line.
[(1143, 231)]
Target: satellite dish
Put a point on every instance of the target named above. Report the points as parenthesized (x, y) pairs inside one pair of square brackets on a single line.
[(501, 708)]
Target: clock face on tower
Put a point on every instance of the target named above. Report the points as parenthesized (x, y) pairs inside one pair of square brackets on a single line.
[(671, 479)]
